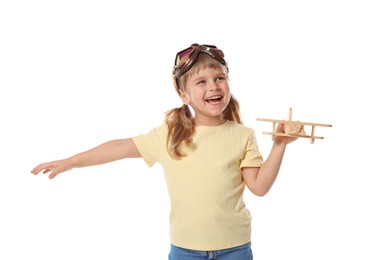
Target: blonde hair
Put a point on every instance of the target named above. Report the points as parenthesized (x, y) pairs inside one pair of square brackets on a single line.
[(181, 124)]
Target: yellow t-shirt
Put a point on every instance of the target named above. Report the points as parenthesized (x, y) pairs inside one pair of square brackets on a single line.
[(206, 187)]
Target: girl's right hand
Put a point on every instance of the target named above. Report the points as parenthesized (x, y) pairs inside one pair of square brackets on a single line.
[(54, 167)]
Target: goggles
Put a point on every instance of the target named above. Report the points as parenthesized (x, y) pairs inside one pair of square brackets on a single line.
[(187, 57)]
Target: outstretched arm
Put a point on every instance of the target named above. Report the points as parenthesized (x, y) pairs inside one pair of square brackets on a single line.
[(260, 180), (104, 153)]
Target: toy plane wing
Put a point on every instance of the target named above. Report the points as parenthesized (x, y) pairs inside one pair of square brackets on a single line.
[(295, 128)]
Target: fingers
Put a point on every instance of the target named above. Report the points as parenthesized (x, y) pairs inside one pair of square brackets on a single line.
[(45, 168), (53, 174), (280, 128), (283, 139)]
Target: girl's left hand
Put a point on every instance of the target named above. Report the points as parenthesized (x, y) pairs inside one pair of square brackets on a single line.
[(283, 139)]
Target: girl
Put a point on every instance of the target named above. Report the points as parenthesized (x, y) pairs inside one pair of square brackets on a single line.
[(208, 158)]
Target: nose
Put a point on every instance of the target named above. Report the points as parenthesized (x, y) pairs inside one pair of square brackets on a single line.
[(214, 86)]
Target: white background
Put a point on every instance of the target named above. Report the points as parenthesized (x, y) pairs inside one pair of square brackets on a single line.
[(74, 74)]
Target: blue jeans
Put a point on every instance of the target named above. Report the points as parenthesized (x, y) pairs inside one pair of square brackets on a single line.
[(243, 252)]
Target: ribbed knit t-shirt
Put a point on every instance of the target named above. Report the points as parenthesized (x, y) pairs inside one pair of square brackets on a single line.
[(206, 186)]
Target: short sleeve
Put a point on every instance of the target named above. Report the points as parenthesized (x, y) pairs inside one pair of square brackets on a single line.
[(152, 144), (252, 156)]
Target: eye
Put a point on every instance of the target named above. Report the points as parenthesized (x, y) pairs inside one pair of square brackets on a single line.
[(201, 82), (220, 78)]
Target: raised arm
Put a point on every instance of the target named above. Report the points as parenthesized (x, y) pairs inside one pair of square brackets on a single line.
[(260, 180), (104, 153)]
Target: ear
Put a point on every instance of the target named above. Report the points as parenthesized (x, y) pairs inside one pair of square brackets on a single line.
[(184, 97)]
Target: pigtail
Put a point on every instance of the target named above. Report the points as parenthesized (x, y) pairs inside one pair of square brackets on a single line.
[(232, 111), (181, 128)]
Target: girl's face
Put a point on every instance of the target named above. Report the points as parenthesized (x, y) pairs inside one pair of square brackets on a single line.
[(208, 93)]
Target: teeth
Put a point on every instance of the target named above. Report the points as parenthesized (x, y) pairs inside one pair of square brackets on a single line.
[(214, 98)]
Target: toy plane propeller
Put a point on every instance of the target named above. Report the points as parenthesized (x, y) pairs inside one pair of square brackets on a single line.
[(293, 128)]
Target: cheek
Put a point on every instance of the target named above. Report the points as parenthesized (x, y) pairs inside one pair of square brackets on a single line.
[(226, 89), (197, 93)]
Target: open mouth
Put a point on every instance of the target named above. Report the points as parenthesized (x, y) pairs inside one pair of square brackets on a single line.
[(214, 99)]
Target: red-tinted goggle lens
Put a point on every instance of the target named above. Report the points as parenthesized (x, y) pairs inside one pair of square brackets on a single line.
[(187, 57)]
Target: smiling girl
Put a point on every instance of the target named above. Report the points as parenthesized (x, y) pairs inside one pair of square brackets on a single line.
[(208, 158)]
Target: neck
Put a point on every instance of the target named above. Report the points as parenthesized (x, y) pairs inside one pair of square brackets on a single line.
[(210, 121)]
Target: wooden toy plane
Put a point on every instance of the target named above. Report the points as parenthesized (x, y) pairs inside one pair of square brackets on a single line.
[(293, 128)]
